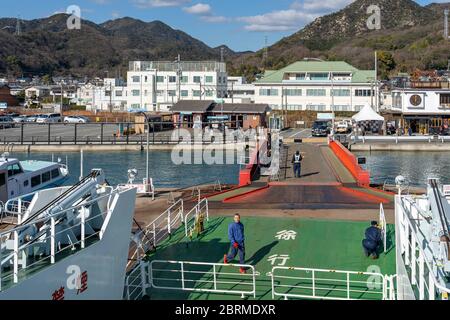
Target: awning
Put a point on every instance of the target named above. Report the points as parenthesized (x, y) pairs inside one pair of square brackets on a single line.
[(367, 114)]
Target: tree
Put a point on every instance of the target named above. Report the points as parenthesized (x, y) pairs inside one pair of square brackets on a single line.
[(386, 63), (47, 79)]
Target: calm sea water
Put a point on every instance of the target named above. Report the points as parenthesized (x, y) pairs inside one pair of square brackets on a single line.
[(162, 170), (417, 167)]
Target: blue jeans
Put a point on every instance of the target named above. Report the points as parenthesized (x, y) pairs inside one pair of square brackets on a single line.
[(297, 170), (234, 251)]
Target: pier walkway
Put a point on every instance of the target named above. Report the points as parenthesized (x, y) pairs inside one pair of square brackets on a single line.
[(326, 189)]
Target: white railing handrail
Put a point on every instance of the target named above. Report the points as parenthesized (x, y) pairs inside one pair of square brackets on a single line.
[(412, 232), (314, 279), (203, 204), (59, 213), (151, 233), (214, 273)]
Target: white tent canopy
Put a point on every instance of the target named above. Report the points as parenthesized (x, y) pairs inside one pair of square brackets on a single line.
[(367, 114)]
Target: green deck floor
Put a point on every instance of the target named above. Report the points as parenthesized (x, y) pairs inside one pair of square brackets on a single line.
[(320, 244)]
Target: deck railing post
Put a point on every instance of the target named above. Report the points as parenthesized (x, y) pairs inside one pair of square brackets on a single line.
[(16, 257), (101, 133), (48, 134), (154, 235), (182, 274), (168, 222), (21, 132), (314, 283), (75, 134), (348, 285), (52, 240), (214, 277), (83, 228)]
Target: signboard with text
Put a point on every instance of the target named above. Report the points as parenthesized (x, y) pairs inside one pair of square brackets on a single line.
[(3, 105)]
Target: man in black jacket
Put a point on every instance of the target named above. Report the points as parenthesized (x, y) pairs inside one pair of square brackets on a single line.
[(297, 161), (372, 240)]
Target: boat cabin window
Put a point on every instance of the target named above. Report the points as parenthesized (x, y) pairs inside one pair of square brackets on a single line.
[(35, 181), (26, 183), (2, 179), (55, 173), (14, 169), (45, 177)]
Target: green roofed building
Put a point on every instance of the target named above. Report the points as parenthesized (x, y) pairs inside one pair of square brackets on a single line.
[(319, 86)]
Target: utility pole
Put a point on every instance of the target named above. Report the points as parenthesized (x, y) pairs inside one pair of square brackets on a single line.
[(179, 76), (61, 97), (110, 97), (332, 104), (446, 11), (266, 51)]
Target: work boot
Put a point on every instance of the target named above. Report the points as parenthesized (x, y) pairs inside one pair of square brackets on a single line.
[(242, 270), (225, 259)]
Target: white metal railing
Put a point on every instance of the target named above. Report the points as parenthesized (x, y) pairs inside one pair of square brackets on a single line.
[(396, 139), (383, 227), (136, 282), (191, 217), (203, 277), (156, 231), (307, 283), (12, 252), (422, 273), (144, 188)]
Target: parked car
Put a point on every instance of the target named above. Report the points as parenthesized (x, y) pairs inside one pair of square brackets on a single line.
[(343, 127), (49, 118), (20, 119), (76, 119), (6, 122), (32, 118)]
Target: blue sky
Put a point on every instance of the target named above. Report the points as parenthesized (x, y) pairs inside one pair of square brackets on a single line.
[(240, 24)]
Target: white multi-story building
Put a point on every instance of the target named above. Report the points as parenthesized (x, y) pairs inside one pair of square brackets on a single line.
[(158, 85), (423, 110), (240, 89), (110, 96), (318, 86)]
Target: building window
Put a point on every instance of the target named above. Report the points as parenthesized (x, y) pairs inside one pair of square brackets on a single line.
[(135, 79), (107, 93), (184, 93), (208, 79), (341, 92), (197, 79), (209, 93), (293, 92), (184, 79), (341, 108), (268, 92), (300, 76), (196, 93), (119, 93), (364, 93), (135, 93), (135, 106), (316, 107), (316, 92), (172, 79), (160, 93), (444, 99), (172, 93), (358, 108), (159, 79), (319, 76), (294, 107)]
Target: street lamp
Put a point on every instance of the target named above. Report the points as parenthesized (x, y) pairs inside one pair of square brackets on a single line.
[(148, 148)]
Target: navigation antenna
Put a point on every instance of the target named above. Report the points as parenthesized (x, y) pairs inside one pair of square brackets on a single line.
[(446, 11), (18, 27)]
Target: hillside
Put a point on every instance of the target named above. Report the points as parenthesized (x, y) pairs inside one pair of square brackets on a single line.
[(46, 46), (411, 37)]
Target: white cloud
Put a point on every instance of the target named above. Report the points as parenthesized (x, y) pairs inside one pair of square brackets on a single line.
[(199, 8), (215, 19), (295, 17), (115, 14), (159, 3)]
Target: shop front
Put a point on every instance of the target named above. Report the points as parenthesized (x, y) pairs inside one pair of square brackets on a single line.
[(424, 125)]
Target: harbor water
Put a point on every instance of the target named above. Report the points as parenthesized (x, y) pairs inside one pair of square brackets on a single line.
[(415, 166), (164, 172)]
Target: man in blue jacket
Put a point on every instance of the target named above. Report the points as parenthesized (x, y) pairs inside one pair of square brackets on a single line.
[(236, 236), (372, 240)]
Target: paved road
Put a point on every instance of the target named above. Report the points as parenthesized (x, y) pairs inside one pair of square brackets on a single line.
[(296, 134)]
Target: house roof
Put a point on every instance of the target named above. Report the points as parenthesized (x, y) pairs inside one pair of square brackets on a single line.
[(196, 106), (251, 108), (316, 66)]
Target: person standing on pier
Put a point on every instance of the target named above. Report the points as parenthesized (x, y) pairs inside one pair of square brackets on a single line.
[(237, 238), (297, 161)]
